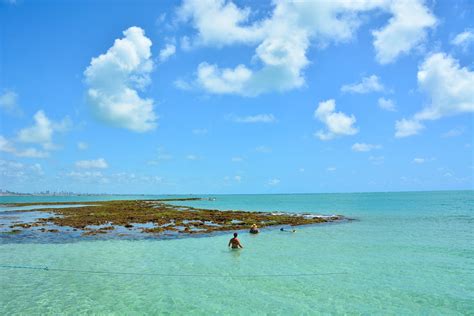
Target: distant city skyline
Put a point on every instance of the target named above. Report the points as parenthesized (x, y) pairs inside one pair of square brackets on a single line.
[(211, 96)]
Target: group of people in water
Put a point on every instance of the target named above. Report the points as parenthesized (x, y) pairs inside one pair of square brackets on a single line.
[(234, 243)]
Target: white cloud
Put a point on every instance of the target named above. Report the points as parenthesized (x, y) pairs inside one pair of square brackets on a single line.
[(219, 22), (449, 87), (185, 43), (17, 171), (9, 102), (238, 178), (457, 131), (8, 147), (41, 132), (82, 145), (405, 30), (114, 79), (363, 147), (418, 160), (337, 123), (404, 128), (168, 51), (225, 80), (237, 159), (282, 37), (259, 118), (368, 84), (386, 104), (464, 39), (331, 169), (99, 163), (89, 176), (31, 153), (273, 182), (183, 85)]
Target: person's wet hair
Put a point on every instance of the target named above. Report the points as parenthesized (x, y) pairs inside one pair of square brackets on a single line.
[(235, 234)]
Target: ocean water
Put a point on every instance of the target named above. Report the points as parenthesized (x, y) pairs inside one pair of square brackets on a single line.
[(406, 253)]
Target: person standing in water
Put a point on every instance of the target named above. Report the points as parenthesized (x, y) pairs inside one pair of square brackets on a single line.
[(235, 242)]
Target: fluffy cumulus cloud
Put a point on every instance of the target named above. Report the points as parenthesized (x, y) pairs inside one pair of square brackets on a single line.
[(40, 134), (99, 163), (405, 30), (337, 123), (360, 147), (449, 89), (115, 78), (282, 38), (219, 22), (368, 84)]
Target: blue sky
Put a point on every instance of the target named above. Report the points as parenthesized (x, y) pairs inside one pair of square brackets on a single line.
[(236, 96)]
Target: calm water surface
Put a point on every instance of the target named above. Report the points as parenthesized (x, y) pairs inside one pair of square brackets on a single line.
[(407, 253)]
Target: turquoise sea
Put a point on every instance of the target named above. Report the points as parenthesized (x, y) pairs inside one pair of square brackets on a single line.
[(406, 253)]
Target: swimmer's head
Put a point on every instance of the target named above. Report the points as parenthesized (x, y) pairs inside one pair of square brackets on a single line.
[(235, 234)]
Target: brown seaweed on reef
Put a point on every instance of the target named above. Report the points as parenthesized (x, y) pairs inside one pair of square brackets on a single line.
[(163, 218)]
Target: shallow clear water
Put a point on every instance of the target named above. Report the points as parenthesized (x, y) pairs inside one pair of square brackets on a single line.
[(407, 253)]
